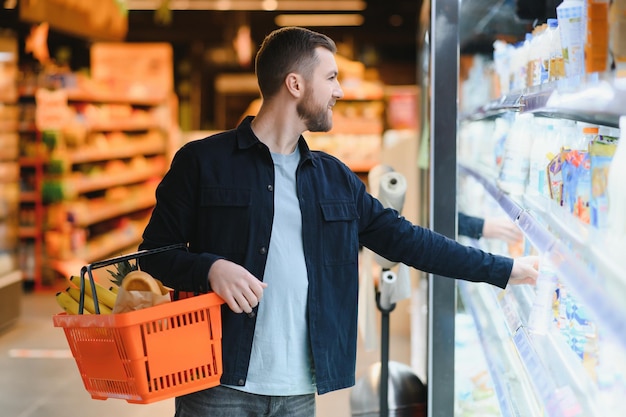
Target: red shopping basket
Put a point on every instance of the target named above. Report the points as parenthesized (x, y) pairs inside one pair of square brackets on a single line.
[(147, 355)]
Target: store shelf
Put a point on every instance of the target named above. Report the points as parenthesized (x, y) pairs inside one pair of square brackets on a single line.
[(100, 210), (101, 179), (597, 98), (114, 242), (515, 395), (120, 150), (29, 196), (552, 380), (105, 180), (123, 125), (595, 280), (138, 99), (10, 178), (28, 232), (10, 298)]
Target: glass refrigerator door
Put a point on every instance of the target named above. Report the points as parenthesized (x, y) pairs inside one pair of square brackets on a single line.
[(557, 348)]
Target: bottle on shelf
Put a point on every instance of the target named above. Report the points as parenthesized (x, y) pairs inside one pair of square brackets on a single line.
[(570, 17), (556, 71), (545, 146), (616, 191), (541, 313), (601, 153), (515, 164), (617, 33)]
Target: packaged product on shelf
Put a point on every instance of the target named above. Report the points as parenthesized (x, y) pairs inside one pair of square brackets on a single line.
[(541, 317), (545, 146), (500, 133), (570, 16), (576, 177), (555, 178), (515, 165), (502, 65), (617, 33), (596, 36), (615, 186), (601, 153), (538, 57), (577, 174), (523, 56), (568, 139), (556, 70)]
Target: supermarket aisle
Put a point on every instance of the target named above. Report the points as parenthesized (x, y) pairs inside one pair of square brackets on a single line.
[(39, 377)]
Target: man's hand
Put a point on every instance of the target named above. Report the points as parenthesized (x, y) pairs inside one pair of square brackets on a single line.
[(501, 228), (241, 290), (525, 270)]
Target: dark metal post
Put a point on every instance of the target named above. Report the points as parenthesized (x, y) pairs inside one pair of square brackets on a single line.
[(444, 18)]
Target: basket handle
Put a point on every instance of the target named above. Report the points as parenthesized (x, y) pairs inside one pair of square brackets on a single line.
[(87, 269)]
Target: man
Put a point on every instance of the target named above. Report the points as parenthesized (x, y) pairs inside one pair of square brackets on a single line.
[(491, 228), (274, 229)]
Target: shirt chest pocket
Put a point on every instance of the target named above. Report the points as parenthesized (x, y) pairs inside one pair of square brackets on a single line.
[(225, 219), (339, 232)]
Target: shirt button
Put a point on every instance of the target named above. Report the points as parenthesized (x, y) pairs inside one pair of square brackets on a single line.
[(263, 250), (270, 188), (241, 382)]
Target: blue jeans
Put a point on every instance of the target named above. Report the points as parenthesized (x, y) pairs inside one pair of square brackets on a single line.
[(222, 401)]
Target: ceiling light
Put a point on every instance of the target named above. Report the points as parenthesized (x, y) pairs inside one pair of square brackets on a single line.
[(291, 5), (311, 20)]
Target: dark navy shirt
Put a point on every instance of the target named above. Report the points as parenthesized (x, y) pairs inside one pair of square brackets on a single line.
[(470, 226), (218, 197)]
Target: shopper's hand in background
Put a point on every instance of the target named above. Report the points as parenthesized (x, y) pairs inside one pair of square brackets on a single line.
[(501, 228), (241, 290), (525, 270)]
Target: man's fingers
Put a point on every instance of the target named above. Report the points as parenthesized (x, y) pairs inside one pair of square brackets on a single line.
[(233, 305), (250, 297), (258, 288), (244, 304)]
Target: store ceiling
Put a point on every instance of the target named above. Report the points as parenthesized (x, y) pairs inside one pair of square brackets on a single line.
[(389, 25), (389, 31)]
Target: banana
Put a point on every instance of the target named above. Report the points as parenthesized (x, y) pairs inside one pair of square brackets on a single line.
[(105, 296), (67, 303), (89, 304), (114, 289)]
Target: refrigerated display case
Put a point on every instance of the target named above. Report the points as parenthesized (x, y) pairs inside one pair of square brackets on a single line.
[(571, 342), (563, 360)]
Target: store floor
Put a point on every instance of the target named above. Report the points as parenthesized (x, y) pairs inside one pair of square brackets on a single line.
[(39, 378)]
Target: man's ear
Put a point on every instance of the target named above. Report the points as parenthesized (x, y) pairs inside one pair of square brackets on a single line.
[(294, 83)]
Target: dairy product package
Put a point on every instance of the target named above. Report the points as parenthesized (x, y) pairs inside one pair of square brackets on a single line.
[(515, 165), (616, 191), (601, 152), (570, 14)]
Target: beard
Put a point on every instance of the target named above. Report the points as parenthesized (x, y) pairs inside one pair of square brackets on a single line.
[(316, 117)]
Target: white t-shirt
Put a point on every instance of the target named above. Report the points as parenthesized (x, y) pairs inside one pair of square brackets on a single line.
[(281, 357)]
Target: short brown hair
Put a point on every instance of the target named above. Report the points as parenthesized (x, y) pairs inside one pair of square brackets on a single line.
[(285, 50)]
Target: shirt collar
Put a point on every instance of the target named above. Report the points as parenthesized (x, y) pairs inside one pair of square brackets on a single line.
[(247, 139)]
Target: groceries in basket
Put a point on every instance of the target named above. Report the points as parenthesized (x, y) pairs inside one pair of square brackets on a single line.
[(133, 290), (147, 355), (137, 289)]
